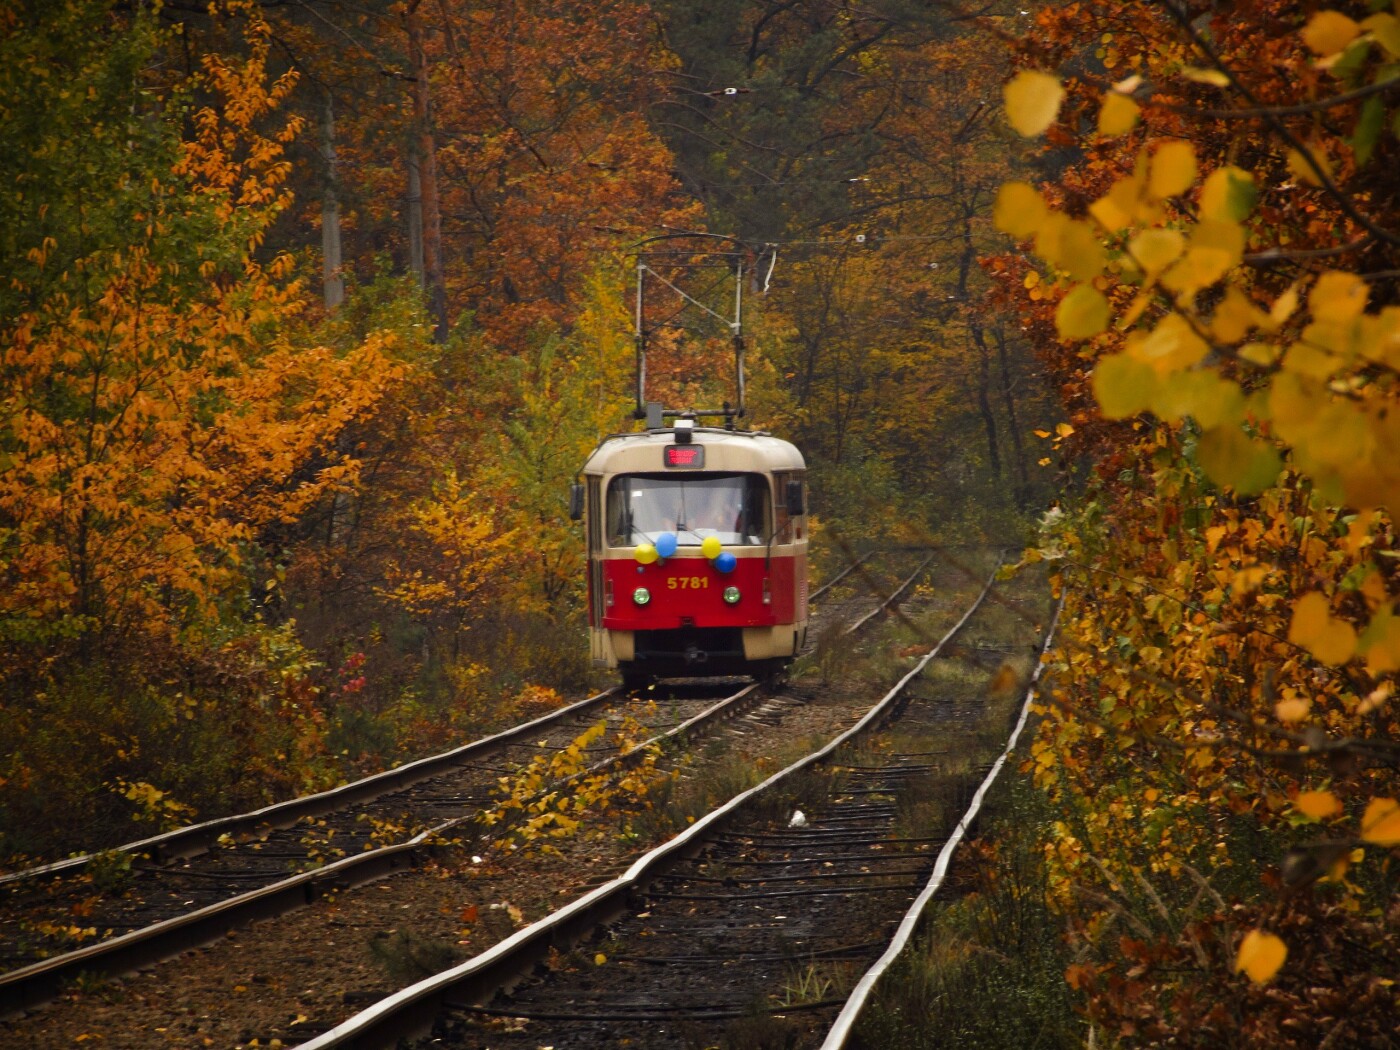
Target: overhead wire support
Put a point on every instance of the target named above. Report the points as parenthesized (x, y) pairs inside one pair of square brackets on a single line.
[(734, 260)]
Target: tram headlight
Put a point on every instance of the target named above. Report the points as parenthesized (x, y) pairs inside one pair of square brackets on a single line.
[(641, 596), (731, 595)]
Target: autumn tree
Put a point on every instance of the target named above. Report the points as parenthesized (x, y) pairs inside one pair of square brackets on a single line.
[(1212, 280), (893, 347), (159, 417), (776, 110)]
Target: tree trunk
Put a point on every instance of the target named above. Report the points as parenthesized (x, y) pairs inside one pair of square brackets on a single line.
[(427, 159), (332, 282), (415, 214), (984, 399), (1023, 483)]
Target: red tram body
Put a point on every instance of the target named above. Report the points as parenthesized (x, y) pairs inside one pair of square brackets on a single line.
[(697, 552)]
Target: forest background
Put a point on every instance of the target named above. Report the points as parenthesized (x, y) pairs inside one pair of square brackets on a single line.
[(314, 308)]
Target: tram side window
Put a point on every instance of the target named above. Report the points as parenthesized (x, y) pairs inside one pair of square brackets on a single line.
[(730, 507)]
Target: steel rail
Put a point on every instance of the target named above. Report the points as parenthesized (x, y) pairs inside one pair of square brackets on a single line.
[(411, 1012), (845, 1021), (197, 838), (885, 605), (36, 983), (815, 595)]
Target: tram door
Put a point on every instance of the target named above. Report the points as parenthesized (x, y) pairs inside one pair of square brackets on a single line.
[(595, 552)]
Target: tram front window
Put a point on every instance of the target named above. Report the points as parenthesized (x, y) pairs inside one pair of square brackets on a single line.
[(731, 507)]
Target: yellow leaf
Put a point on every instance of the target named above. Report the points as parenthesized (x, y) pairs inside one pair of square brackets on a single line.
[(1310, 615), (1123, 386), (1319, 805), (1294, 403), (1204, 395), (1171, 346), (1284, 306), (1234, 317), (1379, 340), (1117, 115), (599, 959), (1261, 955), (1247, 580), (1070, 245), (1020, 209), (1265, 355), (1294, 709), (1228, 193), (1380, 824), (1155, 250), (1327, 32), (1205, 76), (1376, 698), (1380, 643), (1232, 458), (1337, 297), (1386, 29), (1032, 101), (1123, 204), (1331, 640), (1216, 247), (1301, 165), (1173, 169), (1135, 310), (1081, 314)]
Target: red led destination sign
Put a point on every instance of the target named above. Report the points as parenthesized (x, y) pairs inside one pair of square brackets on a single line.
[(685, 457)]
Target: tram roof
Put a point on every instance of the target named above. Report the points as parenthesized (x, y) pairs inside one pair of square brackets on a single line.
[(725, 450)]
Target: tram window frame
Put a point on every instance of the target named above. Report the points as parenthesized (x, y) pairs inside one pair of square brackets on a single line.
[(753, 509), (784, 530)]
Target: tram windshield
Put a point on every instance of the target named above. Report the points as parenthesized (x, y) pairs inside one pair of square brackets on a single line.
[(730, 507)]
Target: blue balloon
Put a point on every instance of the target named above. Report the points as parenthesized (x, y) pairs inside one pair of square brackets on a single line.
[(725, 562), (666, 544)]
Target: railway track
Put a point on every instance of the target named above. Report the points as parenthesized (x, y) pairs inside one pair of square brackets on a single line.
[(766, 912), (283, 980), (193, 885)]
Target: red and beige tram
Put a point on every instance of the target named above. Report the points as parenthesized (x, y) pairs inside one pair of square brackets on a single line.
[(697, 552)]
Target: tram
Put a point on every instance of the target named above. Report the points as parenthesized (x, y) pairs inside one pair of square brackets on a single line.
[(697, 551)]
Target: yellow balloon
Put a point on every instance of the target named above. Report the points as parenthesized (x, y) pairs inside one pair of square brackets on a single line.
[(711, 547), (646, 553)]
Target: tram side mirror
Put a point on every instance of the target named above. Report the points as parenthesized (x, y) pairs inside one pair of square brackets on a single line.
[(575, 501), (795, 504)]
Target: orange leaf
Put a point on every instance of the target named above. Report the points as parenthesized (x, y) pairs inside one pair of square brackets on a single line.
[(1380, 823), (1331, 640), (1261, 954), (1319, 805)]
